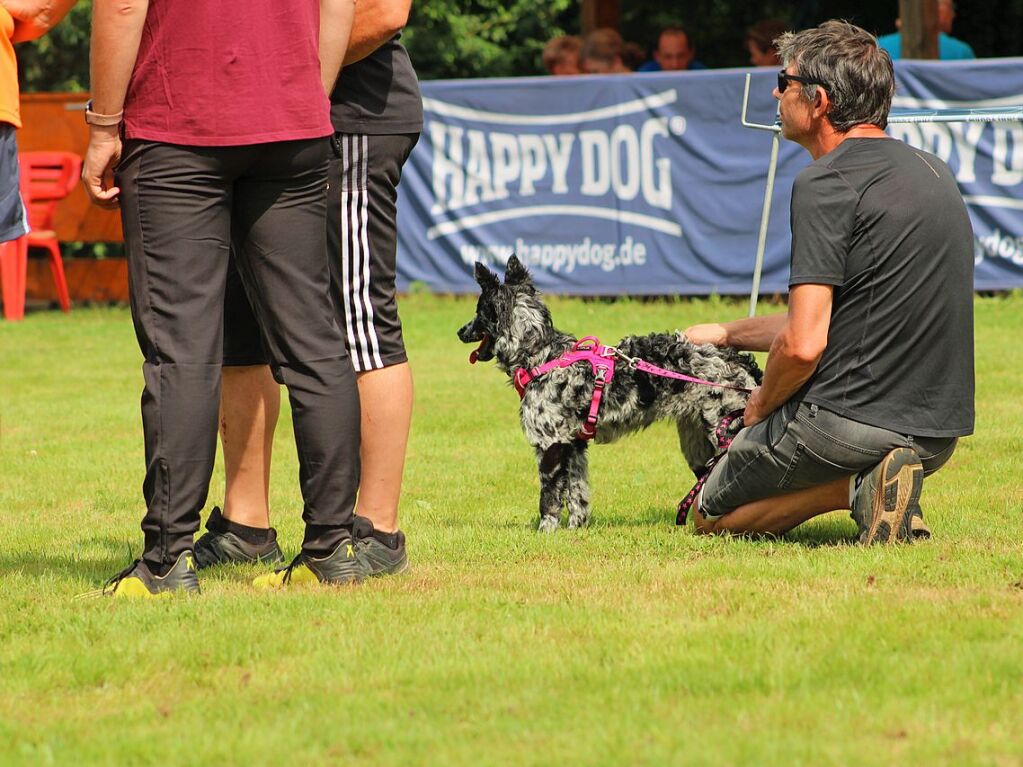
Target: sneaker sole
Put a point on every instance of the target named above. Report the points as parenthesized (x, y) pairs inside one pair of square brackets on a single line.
[(892, 512)]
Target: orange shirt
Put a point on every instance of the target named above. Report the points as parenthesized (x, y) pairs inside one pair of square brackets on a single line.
[(9, 107)]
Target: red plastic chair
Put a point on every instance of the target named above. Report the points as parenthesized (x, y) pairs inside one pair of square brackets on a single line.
[(48, 177), (13, 264)]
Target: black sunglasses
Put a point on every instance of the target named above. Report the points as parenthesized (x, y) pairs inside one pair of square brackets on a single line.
[(784, 78)]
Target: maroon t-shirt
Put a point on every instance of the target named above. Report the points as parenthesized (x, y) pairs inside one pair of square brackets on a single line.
[(224, 73)]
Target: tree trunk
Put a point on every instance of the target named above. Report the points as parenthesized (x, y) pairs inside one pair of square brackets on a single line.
[(599, 13), (919, 28)]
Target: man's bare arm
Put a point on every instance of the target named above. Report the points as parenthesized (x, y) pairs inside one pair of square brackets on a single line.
[(752, 334), (376, 22), (116, 34), (34, 18), (336, 18), (796, 350)]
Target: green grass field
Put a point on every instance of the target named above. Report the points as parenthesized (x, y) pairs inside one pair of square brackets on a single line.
[(631, 642)]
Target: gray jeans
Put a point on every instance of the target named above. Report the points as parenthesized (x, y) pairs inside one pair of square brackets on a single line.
[(802, 445)]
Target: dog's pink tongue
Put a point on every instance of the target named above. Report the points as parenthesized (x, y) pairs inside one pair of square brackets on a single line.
[(474, 355)]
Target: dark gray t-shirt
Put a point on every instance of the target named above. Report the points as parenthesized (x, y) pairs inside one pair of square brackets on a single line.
[(886, 225), (379, 94)]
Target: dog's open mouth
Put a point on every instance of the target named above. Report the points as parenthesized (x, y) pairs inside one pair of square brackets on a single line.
[(484, 352)]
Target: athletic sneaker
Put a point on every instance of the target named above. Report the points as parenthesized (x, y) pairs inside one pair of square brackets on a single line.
[(376, 558), (889, 498), (220, 546), (338, 568), (136, 580)]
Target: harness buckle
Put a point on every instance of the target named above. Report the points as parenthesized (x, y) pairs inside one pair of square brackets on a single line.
[(521, 379)]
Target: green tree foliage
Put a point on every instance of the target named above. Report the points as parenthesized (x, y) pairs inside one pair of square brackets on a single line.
[(485, 38)]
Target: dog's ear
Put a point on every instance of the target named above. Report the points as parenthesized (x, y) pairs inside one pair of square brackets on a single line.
[(516, 273), (485, 277)]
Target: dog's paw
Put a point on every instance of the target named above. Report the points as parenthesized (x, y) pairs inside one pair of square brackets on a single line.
[(578, 520), (547, 525)]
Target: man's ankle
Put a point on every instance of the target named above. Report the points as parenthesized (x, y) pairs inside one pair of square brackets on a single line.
[(365, 527), (255, 535)]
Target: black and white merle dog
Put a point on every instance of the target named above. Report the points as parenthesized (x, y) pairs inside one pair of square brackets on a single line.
[(513, 326)]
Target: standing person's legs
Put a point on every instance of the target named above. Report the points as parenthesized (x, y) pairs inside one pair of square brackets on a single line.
[(250, 402), (279, 232), (248, 416), (362, 247), (249, 407), (175, 207)]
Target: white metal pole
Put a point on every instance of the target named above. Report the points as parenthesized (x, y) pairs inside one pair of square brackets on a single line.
[(764, 219)]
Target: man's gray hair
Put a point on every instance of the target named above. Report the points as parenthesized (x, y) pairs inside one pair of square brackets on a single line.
[(859, 74)]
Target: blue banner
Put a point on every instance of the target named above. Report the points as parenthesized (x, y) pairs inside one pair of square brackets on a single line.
[(649, 184)]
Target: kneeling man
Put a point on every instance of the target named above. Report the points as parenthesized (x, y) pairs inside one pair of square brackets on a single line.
[(869, 379)]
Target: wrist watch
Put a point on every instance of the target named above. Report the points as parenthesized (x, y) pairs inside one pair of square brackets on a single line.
[(106, 121)]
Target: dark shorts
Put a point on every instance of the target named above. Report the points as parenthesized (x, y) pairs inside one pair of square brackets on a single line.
[(13, 223), (802, 445), (362, 241)]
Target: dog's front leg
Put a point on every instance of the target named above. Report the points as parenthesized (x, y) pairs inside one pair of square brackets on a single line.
[(553, 464), (577, 491)]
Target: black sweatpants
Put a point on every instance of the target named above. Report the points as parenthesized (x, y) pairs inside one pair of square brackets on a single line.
[(181, 208)]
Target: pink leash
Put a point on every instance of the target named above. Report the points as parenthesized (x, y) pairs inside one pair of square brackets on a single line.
[(724, 441)]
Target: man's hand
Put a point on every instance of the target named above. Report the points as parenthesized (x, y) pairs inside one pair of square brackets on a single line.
[(751, 334), (101, 158), (709, 333), (755, 411)]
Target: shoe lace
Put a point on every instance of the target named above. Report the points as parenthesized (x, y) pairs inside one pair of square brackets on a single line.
[(111, 583), (290, 568)]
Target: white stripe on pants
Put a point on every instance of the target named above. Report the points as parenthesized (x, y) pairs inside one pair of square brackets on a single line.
[(363, 343)]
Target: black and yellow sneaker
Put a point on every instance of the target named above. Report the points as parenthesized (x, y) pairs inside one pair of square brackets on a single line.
[(339, 568), (376, 557), (219, 545), (888, 499), (136, 580)]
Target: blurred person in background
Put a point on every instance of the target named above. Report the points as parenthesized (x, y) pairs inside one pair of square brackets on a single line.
[(760, 39), (949, 48), (674, 53), (603, 53), (561, 55)]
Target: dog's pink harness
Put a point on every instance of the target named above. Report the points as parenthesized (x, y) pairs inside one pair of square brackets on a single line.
[(602, 359), (588, 349)]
